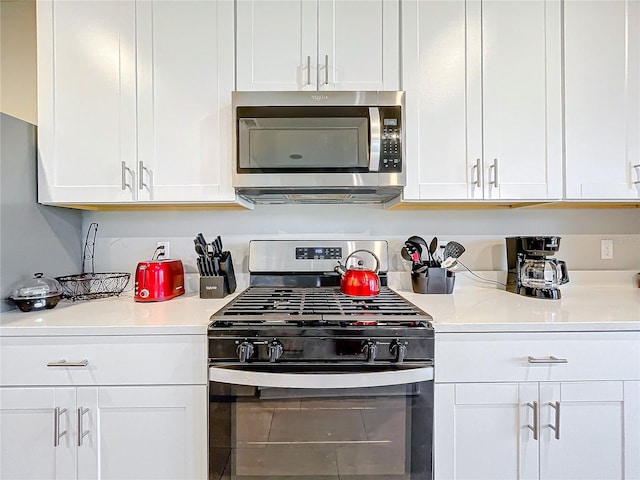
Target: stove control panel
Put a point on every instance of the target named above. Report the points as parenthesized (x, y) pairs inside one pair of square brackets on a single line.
[(317, 253)]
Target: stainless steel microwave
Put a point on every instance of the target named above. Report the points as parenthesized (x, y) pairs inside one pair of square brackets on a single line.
[(319, 147)]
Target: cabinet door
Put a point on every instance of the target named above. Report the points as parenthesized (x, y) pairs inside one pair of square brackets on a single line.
[(590, 442), (28, 419), (481, 431), (276, 45), (86, 101), (483, 99), (149, 432), (434, 68), (185, 79), (602, 99), (521, 100), (358, 45)]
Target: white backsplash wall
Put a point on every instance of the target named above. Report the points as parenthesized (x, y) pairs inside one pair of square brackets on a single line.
[(125, 238)]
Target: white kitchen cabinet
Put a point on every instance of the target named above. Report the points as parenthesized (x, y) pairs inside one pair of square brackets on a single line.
[(483, 86), (130, 407), (490, 399), (317, 45), (135, 101), (602, 99)]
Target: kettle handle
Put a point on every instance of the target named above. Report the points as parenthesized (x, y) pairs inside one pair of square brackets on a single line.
[(377, 269), (565, 273)]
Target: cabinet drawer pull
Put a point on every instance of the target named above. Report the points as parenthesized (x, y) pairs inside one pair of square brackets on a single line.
[(550, 359), (534, 427), (125, 169), (494, 167), (556, 427), (141, 170), (64, 363), (308, 69), (81, 431), (476, 171), (326, 69), (57, 412)]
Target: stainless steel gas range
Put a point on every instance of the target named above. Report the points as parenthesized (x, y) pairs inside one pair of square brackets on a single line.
[(308, 383)]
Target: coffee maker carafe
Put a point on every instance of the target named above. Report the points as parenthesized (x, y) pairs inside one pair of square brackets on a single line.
[(530, 270)]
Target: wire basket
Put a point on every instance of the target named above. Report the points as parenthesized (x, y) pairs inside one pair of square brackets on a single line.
[(89, 286)]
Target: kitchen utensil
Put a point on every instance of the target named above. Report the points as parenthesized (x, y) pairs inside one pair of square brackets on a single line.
[(37, 293), (91, 285), (405, 254), (414, 250), (432, 250), (453, 250), (358, 281)]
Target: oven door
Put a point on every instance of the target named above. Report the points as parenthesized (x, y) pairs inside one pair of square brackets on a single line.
[(293, 422)]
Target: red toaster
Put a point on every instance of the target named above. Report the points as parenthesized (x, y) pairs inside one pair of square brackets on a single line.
[(158, 280)]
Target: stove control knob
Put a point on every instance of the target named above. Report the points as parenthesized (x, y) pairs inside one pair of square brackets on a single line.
[(399, 350), (275, 350), (370, 349), (245, 351)]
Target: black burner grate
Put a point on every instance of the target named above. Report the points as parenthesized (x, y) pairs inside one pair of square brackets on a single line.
[(256, 301)]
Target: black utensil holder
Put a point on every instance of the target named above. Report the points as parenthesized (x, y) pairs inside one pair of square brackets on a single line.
[(212, 287), (433, 280)]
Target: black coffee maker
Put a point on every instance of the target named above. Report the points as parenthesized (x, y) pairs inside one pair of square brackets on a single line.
[(530, 272)]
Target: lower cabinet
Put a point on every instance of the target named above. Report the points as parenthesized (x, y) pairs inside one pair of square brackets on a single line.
[(103, 407), (148, 432), (531, 430), (537, 406)]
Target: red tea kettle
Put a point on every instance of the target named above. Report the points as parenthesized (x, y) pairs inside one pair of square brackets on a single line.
[(358, 281)]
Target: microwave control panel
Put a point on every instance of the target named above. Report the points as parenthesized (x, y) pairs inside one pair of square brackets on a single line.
[(391, 141)]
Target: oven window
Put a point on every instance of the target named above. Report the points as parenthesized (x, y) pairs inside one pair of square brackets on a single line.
[(368, 433)]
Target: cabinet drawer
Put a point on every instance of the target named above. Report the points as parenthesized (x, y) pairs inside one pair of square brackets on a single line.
[(110, 360), (504, 357)]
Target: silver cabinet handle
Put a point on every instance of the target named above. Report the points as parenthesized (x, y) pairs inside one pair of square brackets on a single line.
[(556, 427), (308, 69), (550, 359), (141, 170), (57, 412), (125, 169), (476, 169), (64, 363), (326, 69), (81, 431), (494, 167), (534, 427), (637, 165)]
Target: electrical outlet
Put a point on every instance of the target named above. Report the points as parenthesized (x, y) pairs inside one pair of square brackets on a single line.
[(166, 253), (606, 249)]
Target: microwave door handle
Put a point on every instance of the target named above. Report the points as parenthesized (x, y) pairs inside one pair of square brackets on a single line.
[(374, 133)]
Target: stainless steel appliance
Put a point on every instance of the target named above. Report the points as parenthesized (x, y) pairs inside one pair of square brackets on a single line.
[(307, 383), (530, 270), (318, 147)]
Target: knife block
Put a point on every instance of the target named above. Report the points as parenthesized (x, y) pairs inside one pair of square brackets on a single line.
[(212, 287), (433, 280)]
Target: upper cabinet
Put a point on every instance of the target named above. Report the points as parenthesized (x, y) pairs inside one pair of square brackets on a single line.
[(483, 86), (317, 45), (134, 101), (602, 102)]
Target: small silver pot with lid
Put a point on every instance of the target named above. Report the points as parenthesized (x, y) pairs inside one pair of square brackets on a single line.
[(37, 293)]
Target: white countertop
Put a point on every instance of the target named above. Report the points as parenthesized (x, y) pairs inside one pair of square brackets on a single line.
[(596, 301)]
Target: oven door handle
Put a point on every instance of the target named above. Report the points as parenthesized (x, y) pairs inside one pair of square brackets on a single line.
[(320, 380)]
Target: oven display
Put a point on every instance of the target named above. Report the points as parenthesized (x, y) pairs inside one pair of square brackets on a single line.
[(318, 253)]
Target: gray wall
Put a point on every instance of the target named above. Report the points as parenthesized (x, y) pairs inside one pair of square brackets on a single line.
[(33, 238), (124, 238)]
